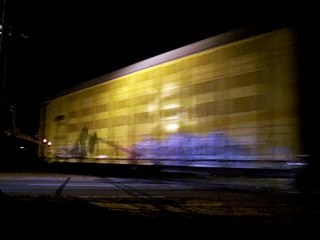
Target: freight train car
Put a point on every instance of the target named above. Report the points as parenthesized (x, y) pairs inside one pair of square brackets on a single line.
[(226, 101)]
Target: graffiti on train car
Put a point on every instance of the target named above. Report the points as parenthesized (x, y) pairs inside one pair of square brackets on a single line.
[(179, 146)]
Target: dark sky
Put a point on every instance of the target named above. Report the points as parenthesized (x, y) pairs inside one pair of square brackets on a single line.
[(58, 44)]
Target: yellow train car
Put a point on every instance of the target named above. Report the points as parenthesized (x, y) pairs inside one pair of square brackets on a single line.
[(230, 101)]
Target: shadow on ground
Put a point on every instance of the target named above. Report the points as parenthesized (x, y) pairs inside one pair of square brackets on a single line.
[(276, 214)]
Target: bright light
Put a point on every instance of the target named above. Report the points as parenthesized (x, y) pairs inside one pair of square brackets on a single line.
[(21, 147), (176, 117), (171, 106), (168, 86), (49, 143), (152, 108), (44, 140), (172, 127)]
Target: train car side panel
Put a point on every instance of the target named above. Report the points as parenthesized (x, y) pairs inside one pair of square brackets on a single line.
[(228, 105)]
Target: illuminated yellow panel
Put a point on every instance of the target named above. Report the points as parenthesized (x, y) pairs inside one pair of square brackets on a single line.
[(243, 89)]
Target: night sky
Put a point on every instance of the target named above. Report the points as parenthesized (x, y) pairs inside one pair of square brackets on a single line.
[(56, 45)]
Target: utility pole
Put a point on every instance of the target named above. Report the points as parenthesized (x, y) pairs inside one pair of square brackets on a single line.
[(7, 121), (3, 51), (7, 33)]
